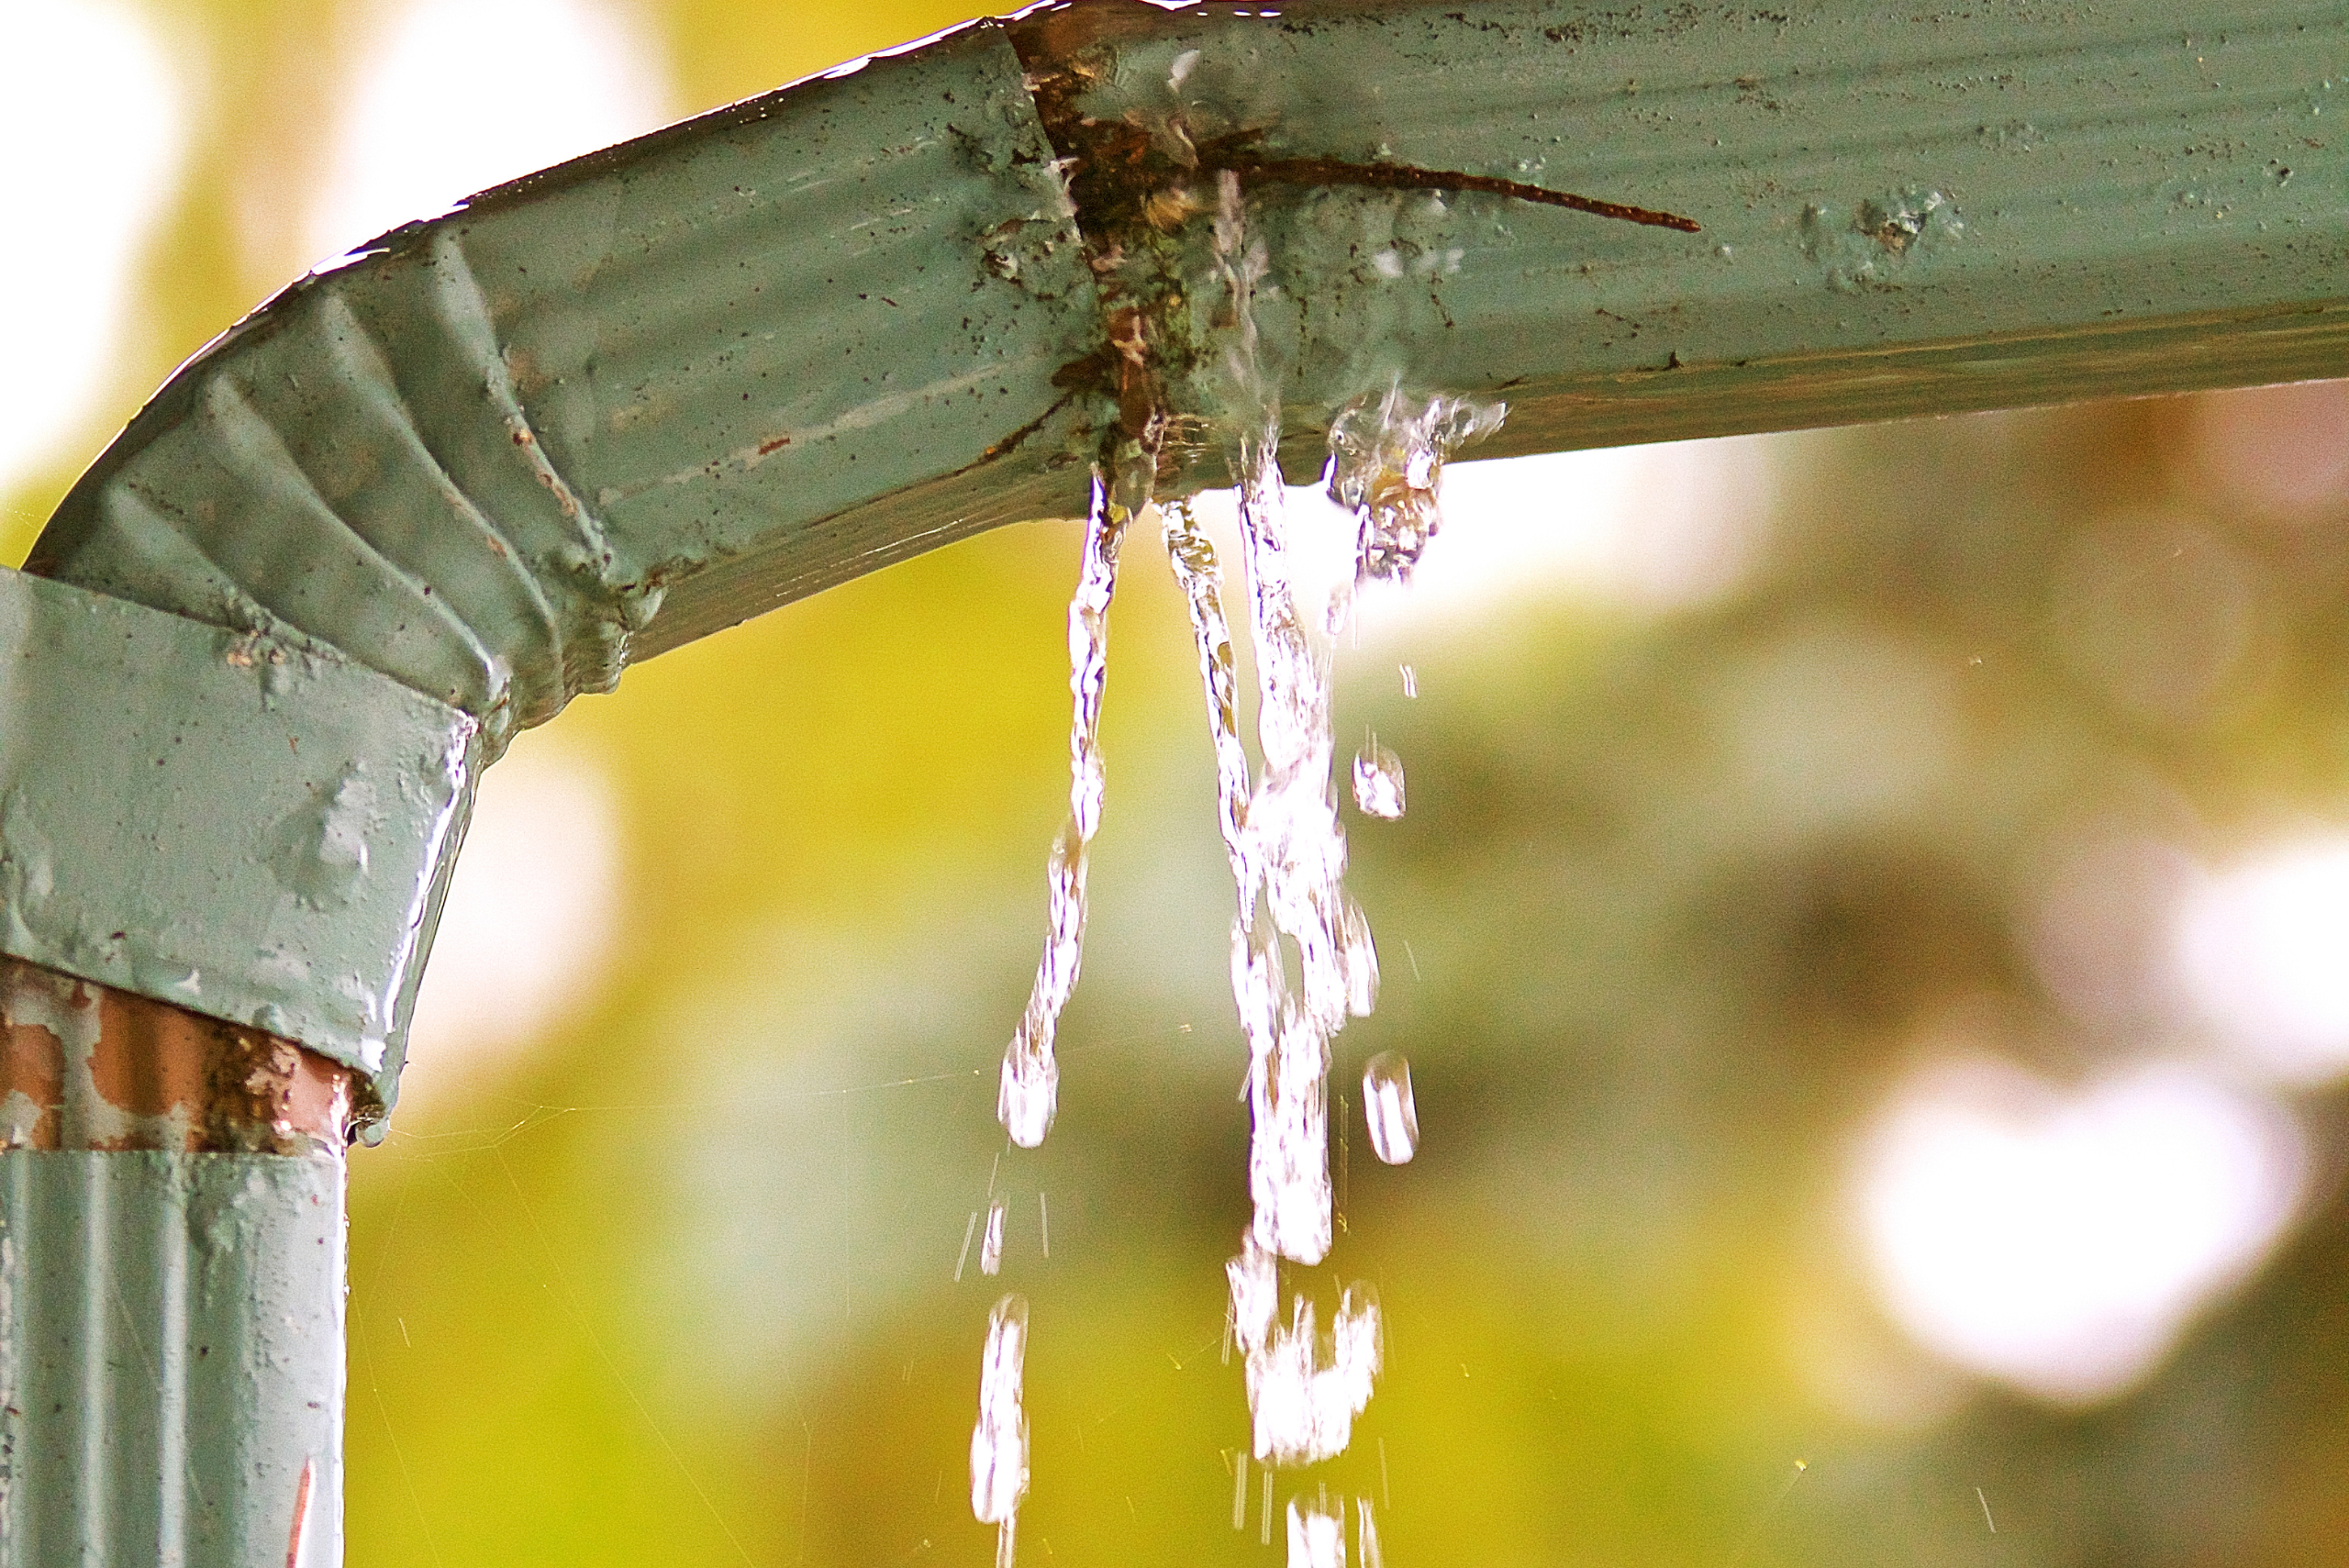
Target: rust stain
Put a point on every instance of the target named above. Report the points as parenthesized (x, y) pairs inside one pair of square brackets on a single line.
[(181, 1081), (301, 1513), (772, 445), (32, 1063)]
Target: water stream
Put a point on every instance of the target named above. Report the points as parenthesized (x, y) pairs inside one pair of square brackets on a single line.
[(1287, 847)]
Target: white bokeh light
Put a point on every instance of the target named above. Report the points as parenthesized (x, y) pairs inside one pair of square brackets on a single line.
[(2262, 950), (94, 121), (457, 96), (530, 923), (2060, 1241), (1656, 528), (1661, 528)]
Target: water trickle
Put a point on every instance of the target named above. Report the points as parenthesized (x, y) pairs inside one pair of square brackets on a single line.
[(1316, 1537), (1378, 781), (1193, 558), (1386, 457), (1306, 1388), (1287, 852), (1388, 1106), (991, 1245), (1029, 1091), (999, 1441)]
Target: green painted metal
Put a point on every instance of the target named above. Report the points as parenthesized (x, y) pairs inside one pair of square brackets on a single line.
[(1904, 210), (628, 401), (601, 412), (610, 408), (171, 1359), (217, 820)]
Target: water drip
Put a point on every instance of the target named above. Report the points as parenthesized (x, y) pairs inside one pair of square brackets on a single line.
[(1386, 456), (1316, 1537), (991, 1245), (1378, 781), (1388, 1106), (1287, 852), (999, 1441), (1367, 1535)]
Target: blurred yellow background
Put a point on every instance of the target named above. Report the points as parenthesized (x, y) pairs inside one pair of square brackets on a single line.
[(1871, 932)]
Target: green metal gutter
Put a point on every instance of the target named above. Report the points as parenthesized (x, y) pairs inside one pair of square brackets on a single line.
[(610, 408), (421, 499), (171, 1285)]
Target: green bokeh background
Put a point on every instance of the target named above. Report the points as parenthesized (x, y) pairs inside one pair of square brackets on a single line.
[(680, 1289)]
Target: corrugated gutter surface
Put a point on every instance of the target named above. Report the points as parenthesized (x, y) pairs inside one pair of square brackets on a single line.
[(608, 409), (421, 499), (171, 1286)]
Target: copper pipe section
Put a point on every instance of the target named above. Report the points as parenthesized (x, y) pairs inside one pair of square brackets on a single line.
[(85, 1066)]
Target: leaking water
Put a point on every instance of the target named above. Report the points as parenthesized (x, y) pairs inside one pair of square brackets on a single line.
[(1366, 1535), (1378, 781), (999, 1441), (1193, 559), (1388, 1106), (1287, 850), (1385, 458), (991, 1245), (1030, 1087), (1317, 1537)]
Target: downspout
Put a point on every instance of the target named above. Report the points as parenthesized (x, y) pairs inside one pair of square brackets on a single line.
[(418, 501)]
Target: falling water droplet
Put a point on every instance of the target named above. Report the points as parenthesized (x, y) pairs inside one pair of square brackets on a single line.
[(1317, 1537), (1378, 781), (1410, 682), (1387, 456), (991, 1245), (999, 1440), (1387, 1105)]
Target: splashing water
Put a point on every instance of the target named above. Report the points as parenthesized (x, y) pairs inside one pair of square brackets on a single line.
[(999, 1441), (1304, 1389), (1029, 1088), (1317, 1537), (1287, 853), (1388, 1106), (1378, 781)]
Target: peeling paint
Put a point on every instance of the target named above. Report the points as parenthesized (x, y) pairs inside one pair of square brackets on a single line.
[(183, 831), (83, 1067), (609, 412)]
